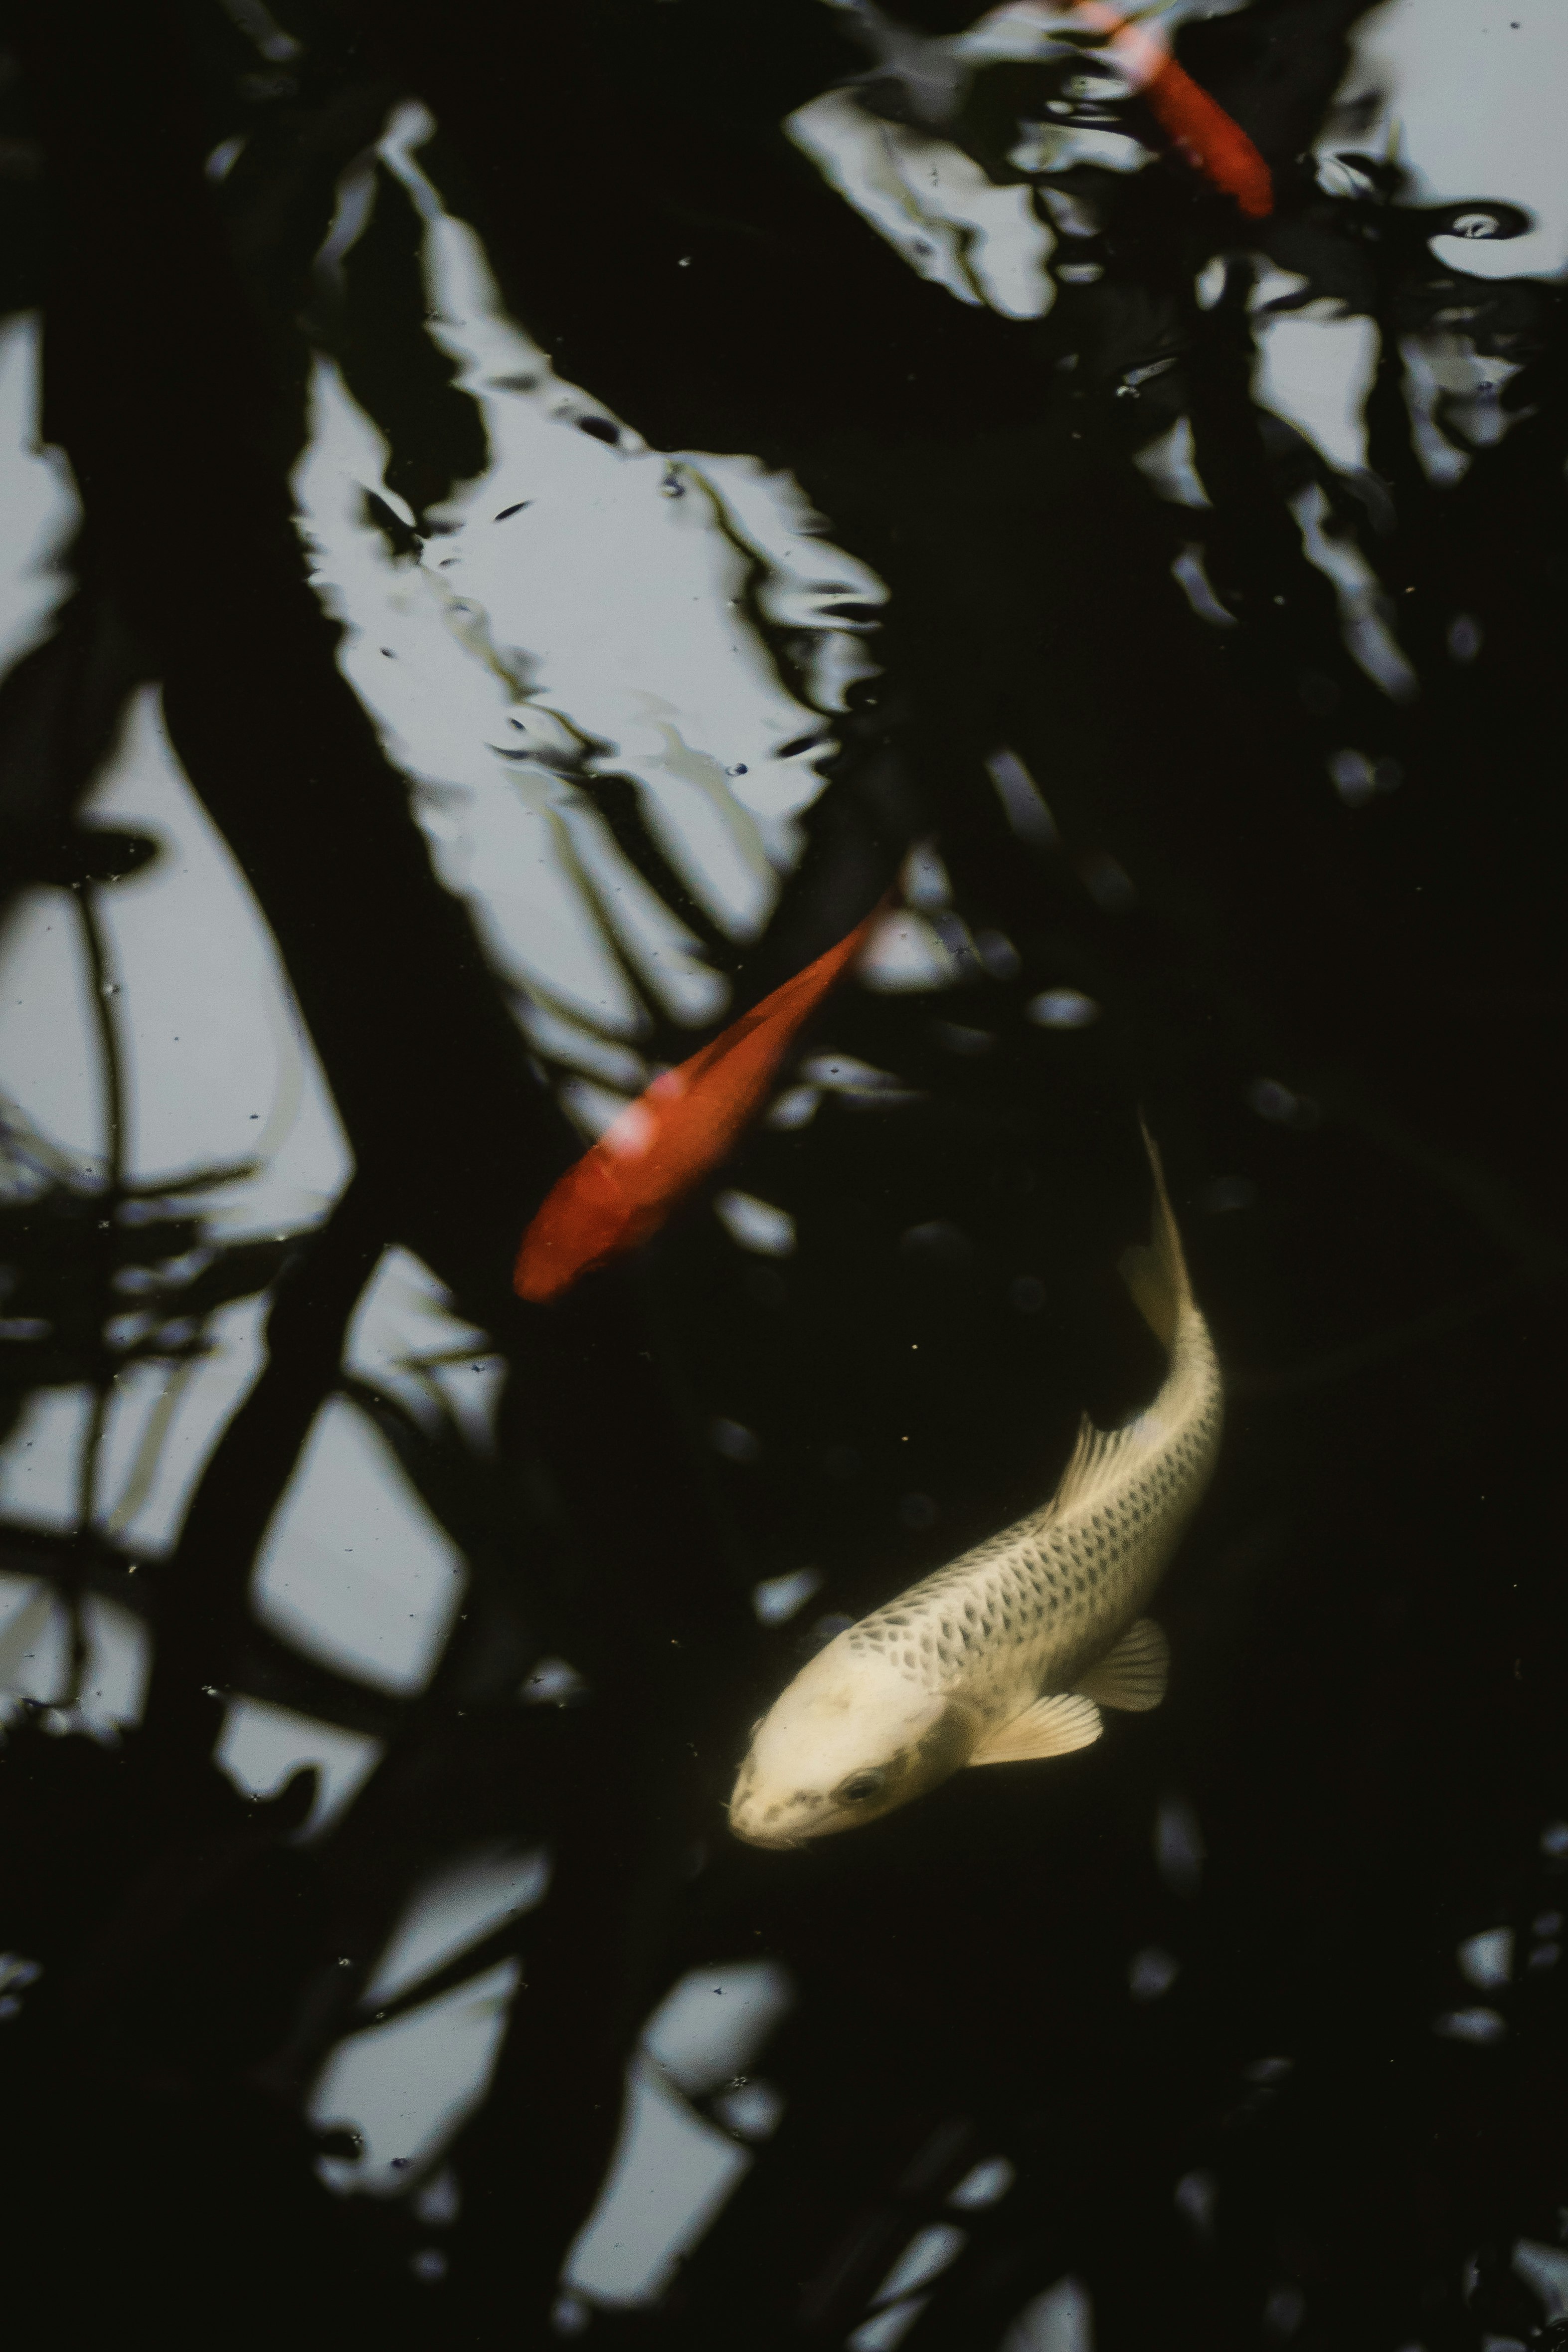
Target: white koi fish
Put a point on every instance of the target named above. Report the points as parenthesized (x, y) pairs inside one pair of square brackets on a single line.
[(1012, 1650)]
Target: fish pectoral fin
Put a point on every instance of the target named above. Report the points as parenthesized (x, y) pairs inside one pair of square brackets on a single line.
[(1132, 1674), (1053, 1726)]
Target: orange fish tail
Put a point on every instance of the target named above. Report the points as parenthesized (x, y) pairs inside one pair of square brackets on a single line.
[(1220, 147)]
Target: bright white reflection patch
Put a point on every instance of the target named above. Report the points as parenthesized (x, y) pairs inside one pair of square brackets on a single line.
[(755, 2110), (553, 1683), (1487, 1959), (40, 1462), (1466, 96), (582, 610), (1062, 1008), (38, 498), (983, 242), (672, 2170), (928, 2253), (1481, 2026), (405, 1339), (1365, 608), (904, 955), (163, 1419), (1315, 368), (1169, 465), (1060, 2320), (49, 1036), (354, 1569), (778, 1598), (755, 1224), (220, 1071), (886, 2329), (987, 2184), (406, 2087), (35, 1640), (1544, 2268), (455, 1907), (670, 2174), (261, 1747), (711, 2024), (119, 1661)]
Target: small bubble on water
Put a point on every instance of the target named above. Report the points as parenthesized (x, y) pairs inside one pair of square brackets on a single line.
[(1284, 2311), (735, 1440), (779, 1598), (1479, 2026), (1152, 1973), (1196, 2195), (1108, 884), (1269, 2070), (1062, 1008), (985, 2183), (1273, 1101)]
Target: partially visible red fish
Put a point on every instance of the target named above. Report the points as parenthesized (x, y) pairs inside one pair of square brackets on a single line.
[(1218, 147), (677, 1131)]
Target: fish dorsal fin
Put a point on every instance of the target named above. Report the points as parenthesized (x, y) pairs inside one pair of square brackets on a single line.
[(1098, 1460), (1132, 1674), (1053, 1726)]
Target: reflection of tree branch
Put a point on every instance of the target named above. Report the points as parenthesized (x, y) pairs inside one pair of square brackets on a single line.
[(113, 1082), (167, 425), (144, 1469)]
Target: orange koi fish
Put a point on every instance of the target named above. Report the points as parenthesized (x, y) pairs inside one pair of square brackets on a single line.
[(1218, 147), (677, 1131)]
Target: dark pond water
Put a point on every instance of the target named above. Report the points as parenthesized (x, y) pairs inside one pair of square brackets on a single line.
[(523, 528)]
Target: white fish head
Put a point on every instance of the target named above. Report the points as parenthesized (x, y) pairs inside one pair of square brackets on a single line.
[(851, 1739)]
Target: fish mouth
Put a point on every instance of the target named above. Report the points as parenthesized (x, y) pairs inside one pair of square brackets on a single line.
[(772, 1839)]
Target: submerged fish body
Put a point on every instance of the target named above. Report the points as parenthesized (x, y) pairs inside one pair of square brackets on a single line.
[(1214, 145), (1010, 1651), (679, 1130)]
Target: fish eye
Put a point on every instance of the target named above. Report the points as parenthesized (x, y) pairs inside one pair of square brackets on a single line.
[(860, 1786)]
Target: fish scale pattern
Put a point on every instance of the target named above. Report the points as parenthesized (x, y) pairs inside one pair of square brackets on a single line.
[(1031, 1609)]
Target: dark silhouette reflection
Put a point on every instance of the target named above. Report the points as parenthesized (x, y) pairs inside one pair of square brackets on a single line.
[(378, 1652)]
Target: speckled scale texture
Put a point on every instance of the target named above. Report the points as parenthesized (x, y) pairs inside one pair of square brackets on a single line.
[(1032, 1609)]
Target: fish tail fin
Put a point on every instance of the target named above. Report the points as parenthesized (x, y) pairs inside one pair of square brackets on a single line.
[(1155, 1271)]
